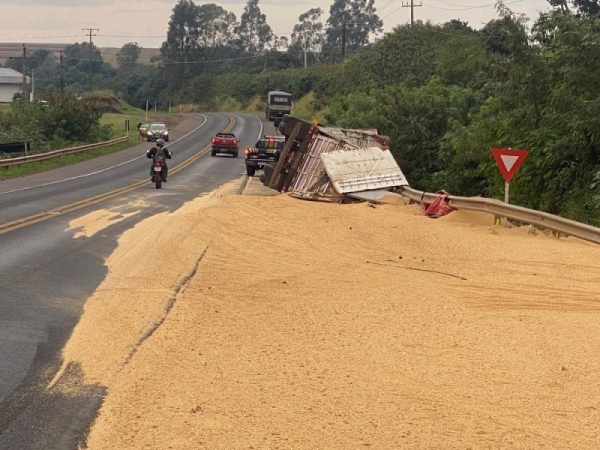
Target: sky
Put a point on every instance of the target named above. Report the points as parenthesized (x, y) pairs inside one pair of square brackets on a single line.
[(145, 21)]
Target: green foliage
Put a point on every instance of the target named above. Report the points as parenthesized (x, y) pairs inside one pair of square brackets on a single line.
[(415, 118), (351, 22), (253, 32), (309, 107), (64, 121), (129, 53), (216, 26)]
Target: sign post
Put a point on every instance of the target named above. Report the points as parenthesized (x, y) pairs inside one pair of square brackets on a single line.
[(509, 161)]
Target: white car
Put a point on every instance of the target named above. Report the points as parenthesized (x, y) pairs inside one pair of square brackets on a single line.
[(156, 131)]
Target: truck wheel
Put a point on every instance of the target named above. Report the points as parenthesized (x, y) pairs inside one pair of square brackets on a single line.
[(250, 171)]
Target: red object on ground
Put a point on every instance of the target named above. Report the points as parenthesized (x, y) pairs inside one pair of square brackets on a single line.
[(439, 207)]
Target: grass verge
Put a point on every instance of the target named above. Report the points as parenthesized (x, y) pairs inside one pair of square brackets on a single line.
[(60, 161), (117, 121)]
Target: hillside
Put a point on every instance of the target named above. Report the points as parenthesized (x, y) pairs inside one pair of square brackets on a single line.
[(16, 49), (109, 55)]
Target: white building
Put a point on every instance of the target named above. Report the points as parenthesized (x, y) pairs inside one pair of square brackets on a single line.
[(11, 82)]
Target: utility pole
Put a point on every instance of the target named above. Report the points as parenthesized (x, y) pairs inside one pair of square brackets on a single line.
[(412, 6), (90, 34), (62, 73), (24, 60), (305, 50), (344, 40)]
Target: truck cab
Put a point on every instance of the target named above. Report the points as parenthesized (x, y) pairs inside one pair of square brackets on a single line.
[(278, 104)]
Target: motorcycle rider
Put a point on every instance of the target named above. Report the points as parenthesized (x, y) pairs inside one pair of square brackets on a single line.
[(159, 152)]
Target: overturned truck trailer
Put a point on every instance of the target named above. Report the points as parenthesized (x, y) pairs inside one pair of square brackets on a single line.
[(324, 163)]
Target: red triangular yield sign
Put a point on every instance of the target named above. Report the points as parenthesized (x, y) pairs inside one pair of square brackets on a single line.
[(509, 161)]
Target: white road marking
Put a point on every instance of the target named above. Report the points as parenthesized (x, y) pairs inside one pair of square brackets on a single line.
[(261, 128), (102, 170)]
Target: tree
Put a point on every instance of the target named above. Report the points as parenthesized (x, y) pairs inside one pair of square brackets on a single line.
[(215, 26), (129, 53), (350, 24), (308, 35), (280, 42), (38, 57), (587, 7), (182, 39), (81, 61), (253, 31)]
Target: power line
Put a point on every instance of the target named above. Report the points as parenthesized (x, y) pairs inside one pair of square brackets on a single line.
[(464, 6), (386, 5), (468, 8), (131, 36), (477, 6), (393, 12)]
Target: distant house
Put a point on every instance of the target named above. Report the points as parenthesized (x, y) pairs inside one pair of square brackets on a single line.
[(11, 82)]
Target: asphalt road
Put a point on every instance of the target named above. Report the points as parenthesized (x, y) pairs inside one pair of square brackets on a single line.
[(47, 273)]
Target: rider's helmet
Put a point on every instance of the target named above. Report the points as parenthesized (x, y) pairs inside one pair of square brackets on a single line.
[(160, 142)]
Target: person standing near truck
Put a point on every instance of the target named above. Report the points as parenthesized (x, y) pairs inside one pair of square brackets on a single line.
[(277, 122)]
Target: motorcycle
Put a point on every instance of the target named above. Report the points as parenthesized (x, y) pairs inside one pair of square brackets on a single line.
[(157, 171)]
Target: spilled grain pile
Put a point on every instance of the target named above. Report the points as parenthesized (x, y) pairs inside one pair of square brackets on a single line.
[(312, 325)]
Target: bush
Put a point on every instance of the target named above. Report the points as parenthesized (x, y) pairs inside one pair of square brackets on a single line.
[(65, 121)]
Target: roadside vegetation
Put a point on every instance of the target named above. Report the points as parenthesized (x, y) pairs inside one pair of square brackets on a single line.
[(61, 161), (67, 122), (444, 94)]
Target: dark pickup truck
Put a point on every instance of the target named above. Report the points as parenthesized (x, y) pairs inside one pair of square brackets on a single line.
[(266, 150), (224, 143)]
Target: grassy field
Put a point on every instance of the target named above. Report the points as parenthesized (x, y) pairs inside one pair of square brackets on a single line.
[(117, 121)]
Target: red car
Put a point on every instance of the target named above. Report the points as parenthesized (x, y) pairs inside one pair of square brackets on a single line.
[(225, 143)]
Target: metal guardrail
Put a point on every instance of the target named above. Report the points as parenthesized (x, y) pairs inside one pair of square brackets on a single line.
[(53, 154), (530, 216)]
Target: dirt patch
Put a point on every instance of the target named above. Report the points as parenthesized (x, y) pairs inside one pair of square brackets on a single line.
[(313, 325)]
